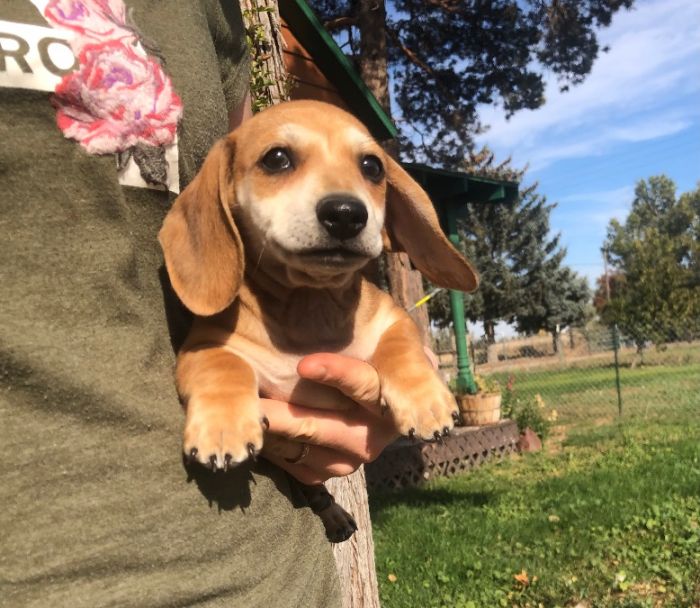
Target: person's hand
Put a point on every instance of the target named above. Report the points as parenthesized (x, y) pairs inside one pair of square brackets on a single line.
[(314, 444)]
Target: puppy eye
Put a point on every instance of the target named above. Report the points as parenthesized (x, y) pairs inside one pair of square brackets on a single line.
[(372, 167), (277, 160)]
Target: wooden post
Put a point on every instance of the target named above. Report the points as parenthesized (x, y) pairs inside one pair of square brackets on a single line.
[(269, 81), (405, 284), (355, 557), (406, 287)]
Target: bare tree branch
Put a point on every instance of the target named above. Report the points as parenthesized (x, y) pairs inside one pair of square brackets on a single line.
[(412, 57), (339, 23), (449, 6)]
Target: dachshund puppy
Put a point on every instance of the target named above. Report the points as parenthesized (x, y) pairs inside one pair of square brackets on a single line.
[(265, 247)]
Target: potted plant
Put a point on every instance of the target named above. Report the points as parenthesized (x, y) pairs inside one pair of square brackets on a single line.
[(484, 407)]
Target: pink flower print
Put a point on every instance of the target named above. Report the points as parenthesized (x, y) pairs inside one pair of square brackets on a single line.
[(117, 99), (92, 20)]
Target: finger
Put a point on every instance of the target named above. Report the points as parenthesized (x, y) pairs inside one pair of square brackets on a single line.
[(356, 379), (300, 472), (318, 458), (358, 434), (291, 451), (318, 465)]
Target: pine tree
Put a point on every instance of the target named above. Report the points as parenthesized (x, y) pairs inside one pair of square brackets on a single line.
[(519, 261), (447, 57), (556, 298)]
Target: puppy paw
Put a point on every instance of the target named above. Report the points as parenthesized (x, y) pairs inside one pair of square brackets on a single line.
[(339, 524), (220, 435), (424, 409)]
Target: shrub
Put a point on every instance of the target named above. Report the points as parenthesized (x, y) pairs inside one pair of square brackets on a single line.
[(527, 411), (487, 384)]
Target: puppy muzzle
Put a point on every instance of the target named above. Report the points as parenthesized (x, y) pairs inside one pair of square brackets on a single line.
[(343, 217)]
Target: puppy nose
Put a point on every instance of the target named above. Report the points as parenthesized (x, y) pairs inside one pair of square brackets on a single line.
[(343, 217)]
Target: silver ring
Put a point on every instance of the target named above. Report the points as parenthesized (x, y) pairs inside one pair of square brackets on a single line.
[(303, 454)]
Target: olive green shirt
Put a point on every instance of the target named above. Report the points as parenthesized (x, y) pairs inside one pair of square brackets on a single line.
[(97, 506)]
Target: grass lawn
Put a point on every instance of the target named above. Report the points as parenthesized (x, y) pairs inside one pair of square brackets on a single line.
[(607, 515)]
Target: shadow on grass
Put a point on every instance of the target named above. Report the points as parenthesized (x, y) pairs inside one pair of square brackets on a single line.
[(428, 496)]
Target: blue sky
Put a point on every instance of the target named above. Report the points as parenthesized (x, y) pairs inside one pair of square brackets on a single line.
[(636, 115)]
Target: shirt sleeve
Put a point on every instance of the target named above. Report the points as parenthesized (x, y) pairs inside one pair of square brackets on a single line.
[(228, 34)]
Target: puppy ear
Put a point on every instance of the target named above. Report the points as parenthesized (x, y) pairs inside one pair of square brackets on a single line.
[(412, 226), (202, 248)]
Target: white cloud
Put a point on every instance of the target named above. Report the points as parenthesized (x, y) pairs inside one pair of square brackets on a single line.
[(598, 140), (650, 130), (614, 196), (644, 88)]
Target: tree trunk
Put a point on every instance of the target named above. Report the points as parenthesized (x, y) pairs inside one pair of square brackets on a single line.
[(406, 287), (639, 356), (371, 21), (490, 331), (355, 557), (405, 284)]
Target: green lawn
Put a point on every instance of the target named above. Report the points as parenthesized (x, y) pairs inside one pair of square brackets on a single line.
[(608, 514)]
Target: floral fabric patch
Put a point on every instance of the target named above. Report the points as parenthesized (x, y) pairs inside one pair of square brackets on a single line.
[(119, 100)]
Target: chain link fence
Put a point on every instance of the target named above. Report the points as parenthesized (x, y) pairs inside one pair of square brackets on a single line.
[(593, 374)]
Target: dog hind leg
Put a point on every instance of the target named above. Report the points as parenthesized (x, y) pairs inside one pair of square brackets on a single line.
[(339, 524)]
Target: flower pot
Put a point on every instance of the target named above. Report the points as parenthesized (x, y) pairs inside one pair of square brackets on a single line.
[(479, 409)]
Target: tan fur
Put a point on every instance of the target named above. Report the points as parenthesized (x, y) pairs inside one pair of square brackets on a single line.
[(260, 311)]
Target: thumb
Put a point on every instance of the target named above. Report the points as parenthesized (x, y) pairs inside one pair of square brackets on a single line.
[(356, 379)]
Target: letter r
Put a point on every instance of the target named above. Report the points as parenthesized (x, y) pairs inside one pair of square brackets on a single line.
[(16, 54)]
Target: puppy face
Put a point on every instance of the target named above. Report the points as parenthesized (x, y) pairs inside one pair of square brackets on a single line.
[(303, 192), (310, 190)]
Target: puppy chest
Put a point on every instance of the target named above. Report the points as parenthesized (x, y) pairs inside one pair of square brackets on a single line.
[(277, 371)]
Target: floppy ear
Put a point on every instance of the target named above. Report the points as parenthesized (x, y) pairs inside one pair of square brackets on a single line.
[(412, 226), (203, 250)]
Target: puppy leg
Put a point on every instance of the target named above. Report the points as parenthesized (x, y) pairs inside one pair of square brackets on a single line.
[(224, 423), (339, 524), (419, 401)]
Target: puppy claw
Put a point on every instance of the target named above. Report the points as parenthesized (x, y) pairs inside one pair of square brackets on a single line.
[(412, 434), (438, 437), (191, 456), (227, 461), (252, 452), (446, 432), (456, 417), (212, 462), (265, 422)]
